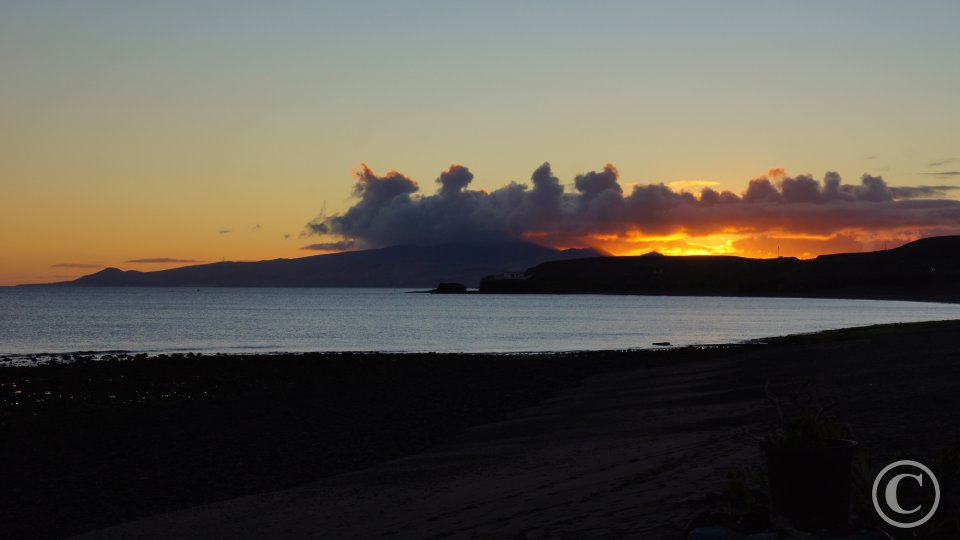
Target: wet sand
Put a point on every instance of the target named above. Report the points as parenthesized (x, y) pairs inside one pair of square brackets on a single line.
[(634, 450)]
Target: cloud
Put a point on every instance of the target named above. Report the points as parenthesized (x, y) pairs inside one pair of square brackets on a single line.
[(921, 192), (454, 180), (76, 265), (390, 210), (342, 245), (777, 173), (943, 173), (942, 162), (389, 194), (225, 231), (161, 260), (256, 228)]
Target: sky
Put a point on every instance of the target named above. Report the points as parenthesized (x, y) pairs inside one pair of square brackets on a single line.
[(146, 135)]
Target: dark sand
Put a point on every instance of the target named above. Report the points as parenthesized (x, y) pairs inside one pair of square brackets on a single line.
[(381, 446)]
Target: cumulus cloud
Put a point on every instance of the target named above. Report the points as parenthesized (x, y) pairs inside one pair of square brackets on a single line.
[(161, 260), (390, 210)]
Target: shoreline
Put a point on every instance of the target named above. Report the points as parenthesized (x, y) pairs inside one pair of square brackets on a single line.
[(114, 442), (71, 357), (35, 346)]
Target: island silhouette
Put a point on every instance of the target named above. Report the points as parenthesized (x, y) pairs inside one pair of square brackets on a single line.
[(395, 266), (926, 269)]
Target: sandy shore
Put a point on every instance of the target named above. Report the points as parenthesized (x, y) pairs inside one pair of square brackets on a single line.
[(638, 449), (610, 458)]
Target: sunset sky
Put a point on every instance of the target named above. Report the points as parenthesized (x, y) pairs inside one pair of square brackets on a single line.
[(145, 135)]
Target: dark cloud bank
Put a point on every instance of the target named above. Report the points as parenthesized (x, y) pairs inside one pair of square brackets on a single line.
[(342, 245), (389, 210)]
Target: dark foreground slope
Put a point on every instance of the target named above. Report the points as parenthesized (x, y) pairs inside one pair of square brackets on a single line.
[(89, 444), (926, 269), (635, 453), (397, 266)]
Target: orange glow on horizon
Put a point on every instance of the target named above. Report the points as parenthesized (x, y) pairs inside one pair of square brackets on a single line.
[(725, 242), (731, 242)]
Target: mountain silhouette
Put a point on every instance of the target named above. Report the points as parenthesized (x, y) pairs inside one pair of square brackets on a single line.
[(396, 266), (927, 269)]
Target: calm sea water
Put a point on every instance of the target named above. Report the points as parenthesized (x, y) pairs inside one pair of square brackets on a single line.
[(48, 320)]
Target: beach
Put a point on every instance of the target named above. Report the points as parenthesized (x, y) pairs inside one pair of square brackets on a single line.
[(367, 270), (595, 444)]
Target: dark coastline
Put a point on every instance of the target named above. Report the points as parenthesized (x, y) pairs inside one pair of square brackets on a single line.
[(91, 444), (926, 269)]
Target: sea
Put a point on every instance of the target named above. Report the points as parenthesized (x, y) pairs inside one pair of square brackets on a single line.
[(48, 320)]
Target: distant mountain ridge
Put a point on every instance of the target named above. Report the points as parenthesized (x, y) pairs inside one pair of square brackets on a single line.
[(926, 269), (396, 266)]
